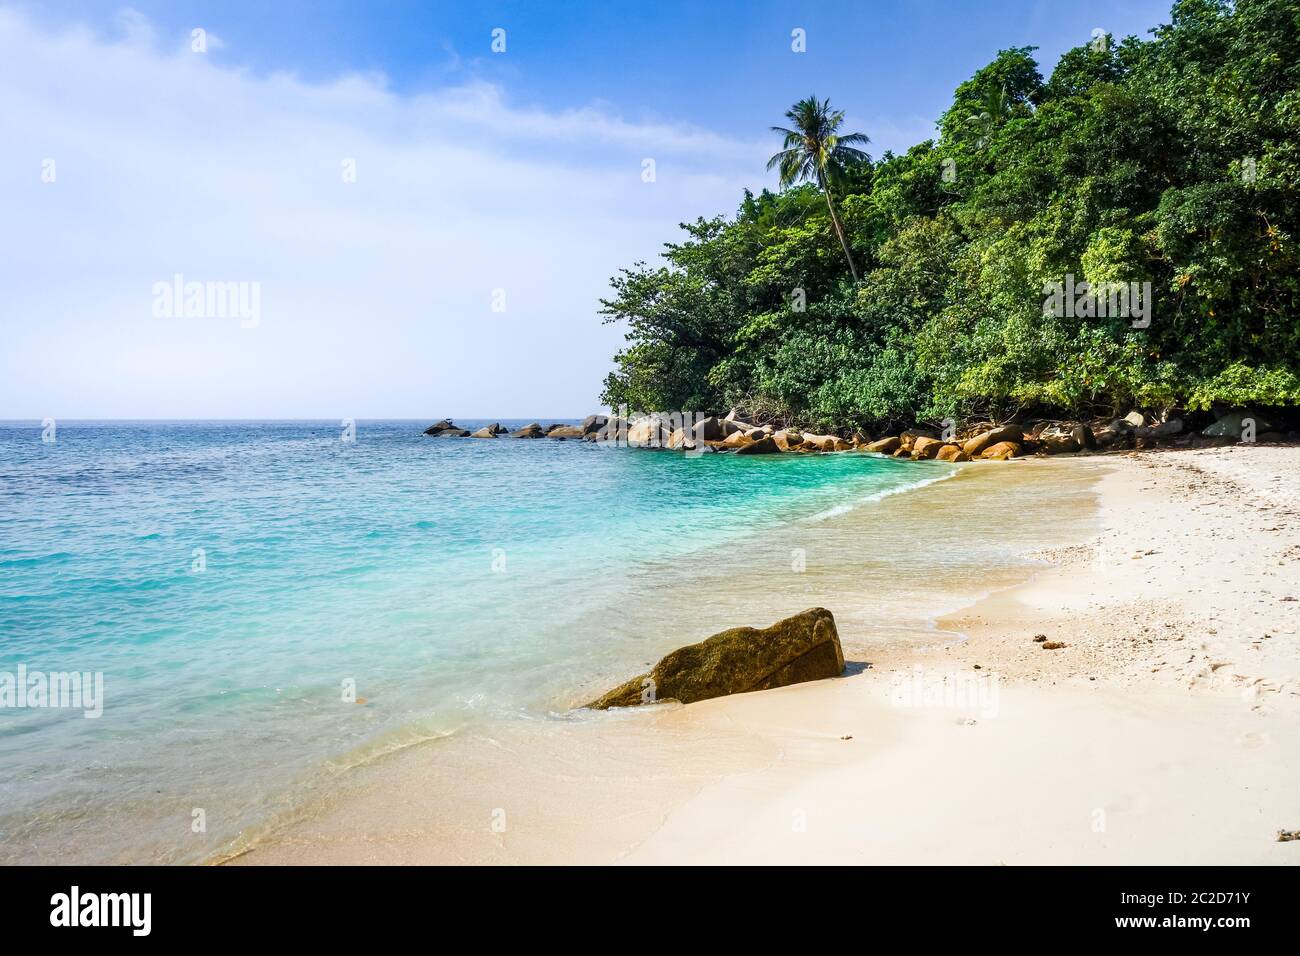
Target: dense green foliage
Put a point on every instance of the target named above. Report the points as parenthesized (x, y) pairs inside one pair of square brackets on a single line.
[(1173, 160)]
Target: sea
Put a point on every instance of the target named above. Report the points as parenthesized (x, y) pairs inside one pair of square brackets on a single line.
[(256, 608)]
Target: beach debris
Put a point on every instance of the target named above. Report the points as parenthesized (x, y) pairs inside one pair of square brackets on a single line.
[(800, 648), (1286, 836), (1039, 638), (1052, 645), (846, 737)]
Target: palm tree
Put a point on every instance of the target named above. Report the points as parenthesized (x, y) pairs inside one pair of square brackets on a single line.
[(814, 151)]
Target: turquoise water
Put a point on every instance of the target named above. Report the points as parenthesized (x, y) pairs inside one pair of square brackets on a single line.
[(232, 580)]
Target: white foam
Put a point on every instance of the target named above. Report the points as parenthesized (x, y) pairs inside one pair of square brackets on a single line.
[(877, 496)]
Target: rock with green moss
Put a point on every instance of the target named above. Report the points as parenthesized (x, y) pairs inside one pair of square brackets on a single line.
[(800, 648)]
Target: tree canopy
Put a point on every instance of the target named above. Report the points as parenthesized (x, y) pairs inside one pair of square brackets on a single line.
[(1172, 160)]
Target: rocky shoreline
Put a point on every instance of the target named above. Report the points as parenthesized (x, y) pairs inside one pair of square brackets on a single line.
[(746, 434), (448, 429)]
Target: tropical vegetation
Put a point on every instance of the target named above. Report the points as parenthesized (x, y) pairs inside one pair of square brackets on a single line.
[(911, 288)]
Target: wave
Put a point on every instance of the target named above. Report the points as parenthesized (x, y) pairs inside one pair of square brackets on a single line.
[(845, 508)]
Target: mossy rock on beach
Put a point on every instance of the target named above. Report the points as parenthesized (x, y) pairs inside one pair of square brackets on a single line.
[(799, 648)]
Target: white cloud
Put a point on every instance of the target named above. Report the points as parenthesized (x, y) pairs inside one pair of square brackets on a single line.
[(375, 295)]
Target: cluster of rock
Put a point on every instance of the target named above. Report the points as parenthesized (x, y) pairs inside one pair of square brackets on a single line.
[(799, 648), (714, 434), (987, 441), (447, 429)]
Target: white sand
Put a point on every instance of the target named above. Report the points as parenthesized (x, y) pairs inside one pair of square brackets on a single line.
[(1165, 731)]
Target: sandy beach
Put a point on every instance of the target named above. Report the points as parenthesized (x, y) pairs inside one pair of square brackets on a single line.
[(1163, 731)]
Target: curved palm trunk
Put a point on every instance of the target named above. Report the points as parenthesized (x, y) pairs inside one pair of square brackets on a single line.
[(839, 229)]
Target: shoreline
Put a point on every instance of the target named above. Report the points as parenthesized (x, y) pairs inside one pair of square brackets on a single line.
[(1048, 767)]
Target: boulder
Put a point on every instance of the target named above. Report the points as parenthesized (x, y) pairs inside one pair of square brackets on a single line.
[(764, 446), (800, 648), (710, 429), (926, 447), (1116, 433), (1001, 451), (1058, 439), (533, 430), (487, 431), (952, 453), (859, 439), (594, 423), (1084, 437), (565, 431), (737, 440), (819, 442), (1134, 419), (975, 447), (841, 444), (787, 439), (647, 432), (1166, 429), (437, 428), (679, 439), (885, 446), (1233, 424)]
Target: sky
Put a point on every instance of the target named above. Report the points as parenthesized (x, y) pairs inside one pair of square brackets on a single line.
[(419, 225)]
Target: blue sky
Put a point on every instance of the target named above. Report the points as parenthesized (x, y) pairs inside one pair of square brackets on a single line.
[(726, 65), (478, 173)]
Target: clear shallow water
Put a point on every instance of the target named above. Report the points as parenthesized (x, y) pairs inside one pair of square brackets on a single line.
[(453, 580)]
